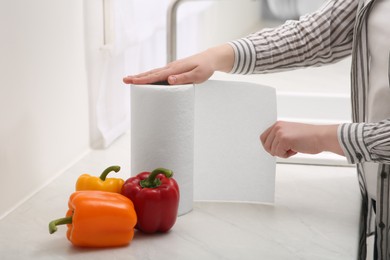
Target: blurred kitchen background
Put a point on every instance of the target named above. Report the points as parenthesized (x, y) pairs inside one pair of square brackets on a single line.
[(62, 64)]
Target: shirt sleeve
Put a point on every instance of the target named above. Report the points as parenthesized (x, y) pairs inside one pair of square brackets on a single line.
[(364, 142), (322, 37)]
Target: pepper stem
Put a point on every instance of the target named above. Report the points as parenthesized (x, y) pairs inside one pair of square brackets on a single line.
[(152, 181), (61, 221), (104, 174)]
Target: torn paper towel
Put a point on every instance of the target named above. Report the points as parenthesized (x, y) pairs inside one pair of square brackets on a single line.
[(208, 134), (230, 162)]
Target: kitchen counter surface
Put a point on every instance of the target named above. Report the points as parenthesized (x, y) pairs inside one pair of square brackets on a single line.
[(315, 216)]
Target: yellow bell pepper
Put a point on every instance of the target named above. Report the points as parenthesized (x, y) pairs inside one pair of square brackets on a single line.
[(102, 183)]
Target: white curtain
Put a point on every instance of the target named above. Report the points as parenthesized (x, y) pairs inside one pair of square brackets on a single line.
[(146, 35)]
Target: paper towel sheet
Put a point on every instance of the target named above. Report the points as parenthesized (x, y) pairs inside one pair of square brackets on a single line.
[(208, 134), (230, 162)]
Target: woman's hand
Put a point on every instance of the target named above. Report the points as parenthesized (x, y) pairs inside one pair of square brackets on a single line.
[(285, 139), (194, 69)]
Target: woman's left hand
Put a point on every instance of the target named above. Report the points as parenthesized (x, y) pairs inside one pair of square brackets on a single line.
[(285, 139)]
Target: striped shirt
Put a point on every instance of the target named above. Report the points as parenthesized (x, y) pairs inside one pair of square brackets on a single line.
[(338, 29)]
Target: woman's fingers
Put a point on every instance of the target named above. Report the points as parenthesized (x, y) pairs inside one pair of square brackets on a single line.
[(148, 77), (284, 139), (193, 69), (268, 139)]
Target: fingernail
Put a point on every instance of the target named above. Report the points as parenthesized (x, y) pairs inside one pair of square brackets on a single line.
[(172, 79)]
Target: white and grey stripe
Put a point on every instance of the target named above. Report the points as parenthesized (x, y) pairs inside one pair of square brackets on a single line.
[(351, 140), (319, 38), (383, 214), (243, 64), (365, 142)]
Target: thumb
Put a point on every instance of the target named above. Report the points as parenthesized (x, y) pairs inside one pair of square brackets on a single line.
[(172, 80), (180, 79)]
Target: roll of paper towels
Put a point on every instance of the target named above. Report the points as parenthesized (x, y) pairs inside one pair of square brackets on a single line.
[(162, 134), (208, 134)]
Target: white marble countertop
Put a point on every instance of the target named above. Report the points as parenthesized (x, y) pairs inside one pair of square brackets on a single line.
[(314, 216)]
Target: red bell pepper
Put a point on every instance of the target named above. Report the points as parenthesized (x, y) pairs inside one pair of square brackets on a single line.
[(156, 199)]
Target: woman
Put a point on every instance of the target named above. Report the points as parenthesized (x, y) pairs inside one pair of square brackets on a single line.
[(338, 29)]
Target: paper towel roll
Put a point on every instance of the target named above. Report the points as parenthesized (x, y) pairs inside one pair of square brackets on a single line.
[(162, 134), (208, 134)]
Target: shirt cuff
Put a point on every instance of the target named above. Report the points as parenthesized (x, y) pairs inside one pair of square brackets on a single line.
[(244, 56), (351, 140)]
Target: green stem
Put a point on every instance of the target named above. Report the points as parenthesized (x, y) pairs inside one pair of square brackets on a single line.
[(61, 221), (152, 181), (104, 174)]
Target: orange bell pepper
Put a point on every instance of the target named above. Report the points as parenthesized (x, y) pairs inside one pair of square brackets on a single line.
[(98, 219), (87, 182)]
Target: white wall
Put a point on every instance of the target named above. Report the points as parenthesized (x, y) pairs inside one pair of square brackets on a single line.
[(43, 93)]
